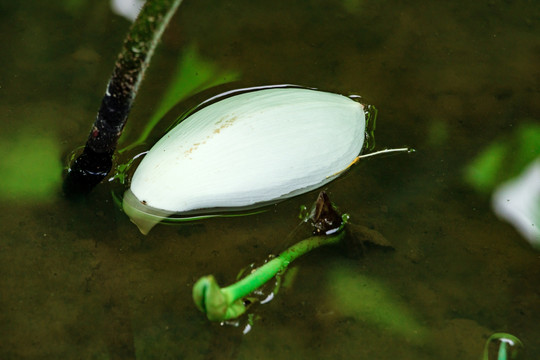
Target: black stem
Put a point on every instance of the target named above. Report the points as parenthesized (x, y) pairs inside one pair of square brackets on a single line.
[(95, 162)]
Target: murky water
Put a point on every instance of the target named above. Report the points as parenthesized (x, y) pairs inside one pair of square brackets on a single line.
[(77, 280)]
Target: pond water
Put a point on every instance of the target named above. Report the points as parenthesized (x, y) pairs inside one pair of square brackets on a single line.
[(78, 280)]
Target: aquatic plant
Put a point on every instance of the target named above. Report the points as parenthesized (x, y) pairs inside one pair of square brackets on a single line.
[(329, 227), (503, 346), (227, 303)]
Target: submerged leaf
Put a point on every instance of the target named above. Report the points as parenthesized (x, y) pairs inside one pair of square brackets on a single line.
[(30, 167), (367, 299), (365, 236), (192, 75), (504, 159)]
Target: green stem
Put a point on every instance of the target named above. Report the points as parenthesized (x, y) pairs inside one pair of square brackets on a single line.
[(223, 304), (95, 162), (505, 347), (502, 355), (266, 272)]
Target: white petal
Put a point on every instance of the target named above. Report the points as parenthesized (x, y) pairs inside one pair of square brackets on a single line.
[(251, 148)]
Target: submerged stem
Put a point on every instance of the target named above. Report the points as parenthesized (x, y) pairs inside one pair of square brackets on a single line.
[(95, 162)]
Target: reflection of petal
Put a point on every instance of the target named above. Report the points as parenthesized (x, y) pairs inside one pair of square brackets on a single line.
[(127, 8), (518, 202)]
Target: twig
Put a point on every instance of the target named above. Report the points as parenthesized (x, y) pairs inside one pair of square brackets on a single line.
[(95, 162)]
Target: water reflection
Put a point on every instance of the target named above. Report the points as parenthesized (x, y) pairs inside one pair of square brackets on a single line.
[(451, 87)]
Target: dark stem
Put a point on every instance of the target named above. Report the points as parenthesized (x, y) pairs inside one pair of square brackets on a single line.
[(93, 165)]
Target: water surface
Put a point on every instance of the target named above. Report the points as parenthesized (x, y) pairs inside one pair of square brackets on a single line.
[(79, 281)]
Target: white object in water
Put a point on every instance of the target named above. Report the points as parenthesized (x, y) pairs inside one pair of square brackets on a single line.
[(518, 202), (127, 8), (247, 150)]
